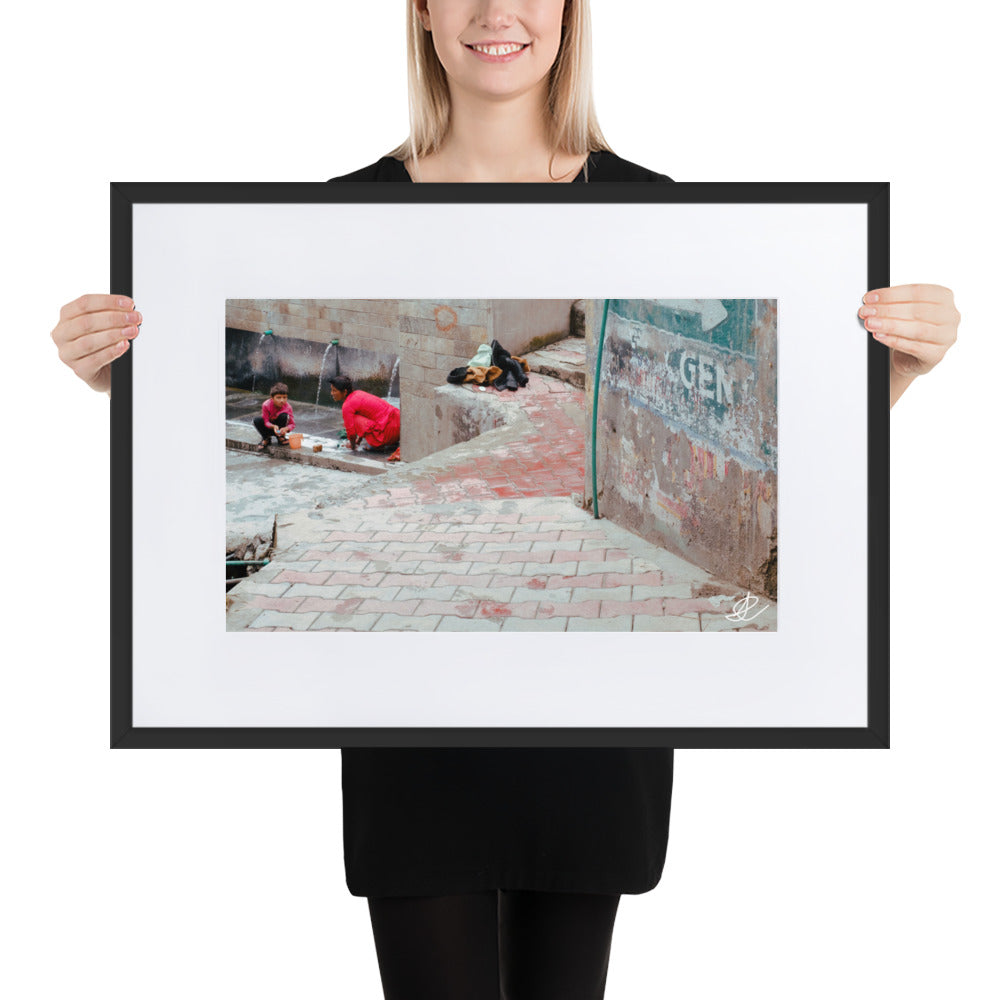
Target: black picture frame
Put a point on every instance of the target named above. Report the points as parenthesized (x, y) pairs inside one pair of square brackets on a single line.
[(126, 197)]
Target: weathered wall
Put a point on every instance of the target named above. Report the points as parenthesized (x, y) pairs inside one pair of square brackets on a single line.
[(687, 429), (461, 414), (367, 323), (430, 337), (525, 325), (255, 362), (435, 336)]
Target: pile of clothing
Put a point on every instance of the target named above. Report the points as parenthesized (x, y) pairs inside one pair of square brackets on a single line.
[(495, 366)]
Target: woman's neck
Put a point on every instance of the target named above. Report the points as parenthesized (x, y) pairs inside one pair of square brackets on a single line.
[(497, 141)]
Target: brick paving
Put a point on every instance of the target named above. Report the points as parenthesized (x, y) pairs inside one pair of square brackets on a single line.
[(546, 460), (483, 538)]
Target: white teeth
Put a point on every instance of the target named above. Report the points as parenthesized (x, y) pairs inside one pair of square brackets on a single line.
[(498, 50)]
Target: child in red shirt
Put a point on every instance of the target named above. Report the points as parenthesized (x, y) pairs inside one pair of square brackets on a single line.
[(275, 417)]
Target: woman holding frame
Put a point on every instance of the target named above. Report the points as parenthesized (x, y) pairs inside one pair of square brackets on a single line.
[(498, 872)]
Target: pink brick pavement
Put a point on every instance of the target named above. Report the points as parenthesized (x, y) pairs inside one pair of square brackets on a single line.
[(546, 462), (395, 558)]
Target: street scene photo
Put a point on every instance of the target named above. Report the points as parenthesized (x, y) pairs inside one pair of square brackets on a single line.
[(501, 465)]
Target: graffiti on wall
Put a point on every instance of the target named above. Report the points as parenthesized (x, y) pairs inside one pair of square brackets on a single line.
[(702, 373), (706, 376), (727, 323), (687, 430)]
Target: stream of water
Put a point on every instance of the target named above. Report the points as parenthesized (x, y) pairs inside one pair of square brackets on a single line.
[(253, 388), (322, 364)]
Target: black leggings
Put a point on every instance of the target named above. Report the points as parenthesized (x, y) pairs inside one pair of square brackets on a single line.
[(494, 945)]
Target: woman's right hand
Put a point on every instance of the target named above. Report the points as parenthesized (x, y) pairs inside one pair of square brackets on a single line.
[(92, 331)]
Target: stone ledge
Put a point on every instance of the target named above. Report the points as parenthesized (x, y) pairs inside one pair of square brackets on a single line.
[(240, 437), (466, 412), (566, 360)]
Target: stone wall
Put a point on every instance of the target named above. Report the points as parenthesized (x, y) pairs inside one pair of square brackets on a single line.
[(430, 338), (687, 429), (525, 325), (372, 324), (461, 415)]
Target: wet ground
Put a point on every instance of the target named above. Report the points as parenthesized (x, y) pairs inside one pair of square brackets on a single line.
[(260, 485), (319, 421), (318, 424), (258, 488)]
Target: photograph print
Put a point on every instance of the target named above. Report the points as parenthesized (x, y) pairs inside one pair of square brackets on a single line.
[(501, 465)]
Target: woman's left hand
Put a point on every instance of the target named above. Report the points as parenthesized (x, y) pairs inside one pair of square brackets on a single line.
[(917, 322)]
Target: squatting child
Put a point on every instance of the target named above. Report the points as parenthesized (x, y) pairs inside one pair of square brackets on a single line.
[(275, 417)]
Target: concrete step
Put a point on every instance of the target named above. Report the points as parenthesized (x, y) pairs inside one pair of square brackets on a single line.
[(332, 453), (565, 359)]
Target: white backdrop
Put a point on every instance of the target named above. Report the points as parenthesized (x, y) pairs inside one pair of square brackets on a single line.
[(809, 257), (156, 874)]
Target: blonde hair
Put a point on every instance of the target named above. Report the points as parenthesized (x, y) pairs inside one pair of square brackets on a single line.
[(572, 121)]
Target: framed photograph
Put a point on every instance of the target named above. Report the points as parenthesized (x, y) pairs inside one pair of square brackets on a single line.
[(500, 465)]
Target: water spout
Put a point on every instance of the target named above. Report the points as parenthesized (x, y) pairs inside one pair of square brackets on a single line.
[(394, 381), (319, 384), (266, 333)]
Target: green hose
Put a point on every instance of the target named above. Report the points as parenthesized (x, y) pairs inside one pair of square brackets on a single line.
[(597, 394)]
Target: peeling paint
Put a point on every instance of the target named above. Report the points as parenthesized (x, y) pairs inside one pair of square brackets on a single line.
[(687, 431)]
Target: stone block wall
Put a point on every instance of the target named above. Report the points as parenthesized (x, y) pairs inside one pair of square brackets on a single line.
[(430, 338), (372, 324), (686, 440), (434, 338)]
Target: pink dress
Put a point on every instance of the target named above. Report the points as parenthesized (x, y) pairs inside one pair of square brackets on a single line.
[(366, 416)]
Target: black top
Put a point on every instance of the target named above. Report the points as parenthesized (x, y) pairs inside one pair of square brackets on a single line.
[(423, 822), (600, 167)]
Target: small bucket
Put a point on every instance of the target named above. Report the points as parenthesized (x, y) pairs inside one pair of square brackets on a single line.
[(294, 440)]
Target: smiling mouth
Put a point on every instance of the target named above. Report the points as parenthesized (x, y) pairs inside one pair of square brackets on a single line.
[(506, 49)]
